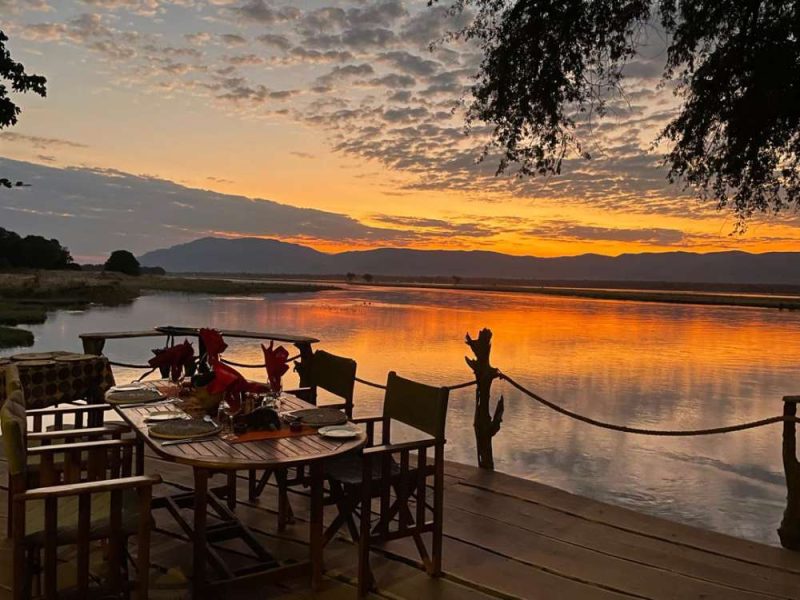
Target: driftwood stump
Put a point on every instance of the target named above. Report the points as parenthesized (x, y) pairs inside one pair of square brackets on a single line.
[(789, 531), (485, 423)]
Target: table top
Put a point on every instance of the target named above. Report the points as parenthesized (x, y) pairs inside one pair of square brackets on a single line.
[(262, 454)]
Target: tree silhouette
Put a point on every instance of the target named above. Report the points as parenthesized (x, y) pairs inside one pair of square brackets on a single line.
[(456, 279), (548, 64), (33, 252), (367, 277), (350, 277), (20, 81), (122, 261)]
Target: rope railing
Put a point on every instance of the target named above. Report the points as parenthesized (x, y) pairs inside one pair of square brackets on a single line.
[(128, 365), (641, 430), (380, 386)]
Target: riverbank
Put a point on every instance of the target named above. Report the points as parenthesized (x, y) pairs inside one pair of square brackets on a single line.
[(753, 296), (27, 296), (670, 297)]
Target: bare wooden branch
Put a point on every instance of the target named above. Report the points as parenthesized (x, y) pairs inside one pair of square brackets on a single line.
[(485, 424), (789, 531)]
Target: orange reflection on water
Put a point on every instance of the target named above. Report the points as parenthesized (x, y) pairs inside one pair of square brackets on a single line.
[(646, 364)]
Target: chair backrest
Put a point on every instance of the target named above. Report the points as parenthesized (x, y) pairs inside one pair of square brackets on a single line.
[(421, 406), (335, 374), (14, 423)]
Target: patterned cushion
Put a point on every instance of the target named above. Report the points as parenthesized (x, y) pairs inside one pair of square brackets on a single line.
[(13, 422)]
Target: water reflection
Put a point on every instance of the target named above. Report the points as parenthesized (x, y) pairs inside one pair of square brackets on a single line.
[(641, 364)]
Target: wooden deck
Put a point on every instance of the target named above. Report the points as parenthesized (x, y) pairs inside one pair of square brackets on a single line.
[(504, 538)]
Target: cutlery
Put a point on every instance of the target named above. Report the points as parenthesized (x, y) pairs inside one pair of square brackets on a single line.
[(188, 441), (156, 403)]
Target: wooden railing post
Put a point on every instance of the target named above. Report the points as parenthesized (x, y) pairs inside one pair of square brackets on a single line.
[(789, 531), (485, 424)]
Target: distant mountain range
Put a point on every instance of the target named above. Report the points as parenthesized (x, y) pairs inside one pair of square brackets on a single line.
[(269, 256)]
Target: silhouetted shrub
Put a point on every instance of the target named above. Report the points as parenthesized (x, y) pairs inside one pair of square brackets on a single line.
[(122, 261)]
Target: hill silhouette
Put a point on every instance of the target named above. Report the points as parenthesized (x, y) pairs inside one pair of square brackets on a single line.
[(270, 256)]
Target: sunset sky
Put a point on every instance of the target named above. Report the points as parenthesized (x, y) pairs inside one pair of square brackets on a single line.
[(167, 121)]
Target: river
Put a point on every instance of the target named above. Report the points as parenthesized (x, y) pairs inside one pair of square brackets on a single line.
[(641, 364)]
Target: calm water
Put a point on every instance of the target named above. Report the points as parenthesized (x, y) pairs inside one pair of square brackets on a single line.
[(642, 364)]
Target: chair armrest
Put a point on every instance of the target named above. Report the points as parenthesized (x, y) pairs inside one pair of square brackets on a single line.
[(88, 487), (369, 419), (332, 404), (67, 410), (295, 391), (400, 446), (95, 445), (65, 434)]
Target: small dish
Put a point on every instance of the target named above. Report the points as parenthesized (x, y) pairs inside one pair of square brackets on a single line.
[(339, 431)]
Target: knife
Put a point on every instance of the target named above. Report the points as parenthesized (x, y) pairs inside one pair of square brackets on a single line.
[(188, 441)]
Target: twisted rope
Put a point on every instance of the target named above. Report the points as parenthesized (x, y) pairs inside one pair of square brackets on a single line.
[(383, 387), (254, 366), (371, 383), (128, 365), (643, 431)]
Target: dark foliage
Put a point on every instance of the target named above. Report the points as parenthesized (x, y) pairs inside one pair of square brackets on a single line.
[(549, 64), (32, 252), (14, 73), (122, 261)]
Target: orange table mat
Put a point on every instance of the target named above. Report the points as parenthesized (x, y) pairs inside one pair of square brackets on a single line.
[(285, 432)]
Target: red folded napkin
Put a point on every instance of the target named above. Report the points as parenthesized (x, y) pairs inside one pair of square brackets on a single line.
[(213, 343), (232, 383), (226, 379), (275, 361), (174, 359)]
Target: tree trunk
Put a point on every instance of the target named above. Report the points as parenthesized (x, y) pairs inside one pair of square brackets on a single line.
[(484, 423), (789, 531)]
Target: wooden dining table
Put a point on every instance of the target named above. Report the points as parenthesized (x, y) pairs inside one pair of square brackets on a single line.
[(217, 455)]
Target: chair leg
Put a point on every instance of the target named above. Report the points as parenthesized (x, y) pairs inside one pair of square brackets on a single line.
[(345, 505), (365, 579), (143, 545), (9, 508), (255, 485), (285, 513), (252, 481), (230, 496), (438, 513), (22, 576)]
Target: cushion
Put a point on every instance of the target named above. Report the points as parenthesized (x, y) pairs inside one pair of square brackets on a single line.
[(348, 468)]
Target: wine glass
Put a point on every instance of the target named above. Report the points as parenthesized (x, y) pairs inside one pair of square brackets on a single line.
[(229, 407)]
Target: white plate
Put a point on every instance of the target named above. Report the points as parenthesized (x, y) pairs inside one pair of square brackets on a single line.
[(338, 431), (128, 387)]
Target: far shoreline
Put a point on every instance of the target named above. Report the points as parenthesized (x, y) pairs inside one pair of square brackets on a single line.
[(27, 296), (780, 297)]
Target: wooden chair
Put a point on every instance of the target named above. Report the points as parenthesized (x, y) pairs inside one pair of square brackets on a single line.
[(334, 374), (386, 472), (72, 421), (91, 496)]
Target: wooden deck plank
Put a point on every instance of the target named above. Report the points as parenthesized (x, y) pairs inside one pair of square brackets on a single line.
[(623, 544), (511, 538), (632, 521)]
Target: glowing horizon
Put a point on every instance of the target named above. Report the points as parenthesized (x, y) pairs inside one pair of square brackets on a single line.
[(333, 106)]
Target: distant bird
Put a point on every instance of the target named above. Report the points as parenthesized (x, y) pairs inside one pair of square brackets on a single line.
[(9, 184)]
